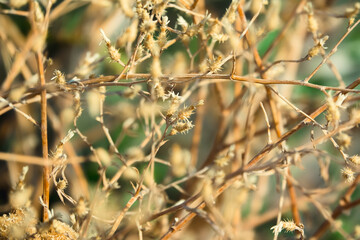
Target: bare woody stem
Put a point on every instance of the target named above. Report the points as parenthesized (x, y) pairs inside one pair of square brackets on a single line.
[(343, 205), (276, 114), (44, 137)]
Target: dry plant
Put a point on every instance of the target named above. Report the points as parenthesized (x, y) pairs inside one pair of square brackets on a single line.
[(189, 121)]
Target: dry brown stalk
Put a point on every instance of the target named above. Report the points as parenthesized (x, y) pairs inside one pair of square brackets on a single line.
[(44, 138), (155, 72), (278, 123), (118, 220)]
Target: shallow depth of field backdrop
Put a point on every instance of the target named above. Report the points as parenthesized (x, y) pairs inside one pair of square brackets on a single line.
[(179, 119)]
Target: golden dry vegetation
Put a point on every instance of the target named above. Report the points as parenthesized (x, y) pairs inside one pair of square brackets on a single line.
[(179, 119)]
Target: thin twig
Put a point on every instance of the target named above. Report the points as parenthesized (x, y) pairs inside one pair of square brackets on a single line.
[(118, 220), (27, 116), (12, 157), (333, 50), (342, 206)]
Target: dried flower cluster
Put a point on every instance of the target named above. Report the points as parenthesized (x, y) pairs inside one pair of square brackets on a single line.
[(175, 119)]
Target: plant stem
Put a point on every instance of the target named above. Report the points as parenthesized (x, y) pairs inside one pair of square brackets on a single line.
[(44, 139)]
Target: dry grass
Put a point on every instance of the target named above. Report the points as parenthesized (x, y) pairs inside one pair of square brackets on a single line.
[(187, 122)]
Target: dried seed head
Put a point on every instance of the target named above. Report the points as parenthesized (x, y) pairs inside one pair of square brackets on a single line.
[(20, 198), (355, 115), (148, 179), (355, 160), (58, 77), (222, 161), (343, 140), (231, 11), (77, 104), (131, 173), (104, 156), (348, 174), (59, 151), (62, 184), (148, 26), (214, 27), (162, 39), (221, 38), (181, 127), (195, 29), (289, 226), (171, 111), (157, 89), (183, 23), (19, 224), (151, 45), (140, 52), (173, 97), (312, 22), (139, 9), (174, 104), (60, 230), (317, 48), (184, 114), (113, 52), (215, 64), (82, 208), (333, 113), (165, 22), (159, 8)]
